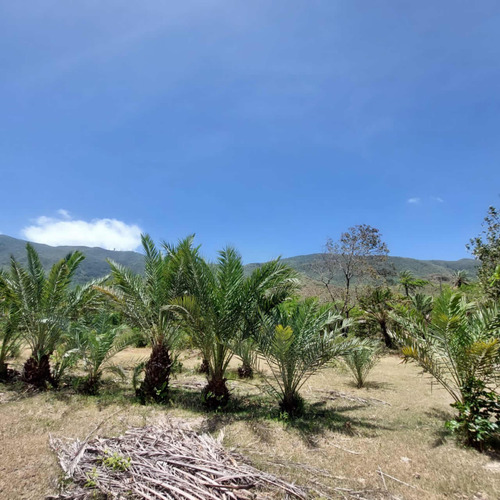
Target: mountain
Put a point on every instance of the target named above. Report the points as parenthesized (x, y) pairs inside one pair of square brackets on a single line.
[(95, 264), (312, 266)]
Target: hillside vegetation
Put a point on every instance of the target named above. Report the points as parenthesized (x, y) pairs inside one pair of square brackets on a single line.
[(95, 265)]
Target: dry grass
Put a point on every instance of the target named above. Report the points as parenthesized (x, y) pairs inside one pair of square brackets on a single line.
[(339, 445)]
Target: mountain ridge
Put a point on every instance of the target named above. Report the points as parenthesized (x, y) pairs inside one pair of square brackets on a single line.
[(95, 264)]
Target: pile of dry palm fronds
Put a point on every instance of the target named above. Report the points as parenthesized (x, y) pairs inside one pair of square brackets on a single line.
[(165, 462)]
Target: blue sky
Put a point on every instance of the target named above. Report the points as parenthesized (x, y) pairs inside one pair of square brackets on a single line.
[(268, 125)]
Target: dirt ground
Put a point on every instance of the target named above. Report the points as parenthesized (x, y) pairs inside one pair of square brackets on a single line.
[(384, 441)]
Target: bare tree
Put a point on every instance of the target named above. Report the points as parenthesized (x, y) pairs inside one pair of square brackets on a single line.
[(358, 253)]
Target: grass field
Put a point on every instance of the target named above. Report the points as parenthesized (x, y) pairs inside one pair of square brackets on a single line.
[(395, 425)]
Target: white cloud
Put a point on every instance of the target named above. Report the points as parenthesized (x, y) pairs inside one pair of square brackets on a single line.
[(438, 199), (413, 200), (111, 234), (64, 214)]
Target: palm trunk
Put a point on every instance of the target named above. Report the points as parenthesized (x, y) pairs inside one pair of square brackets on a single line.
[(36, 371), (157, 376), (292, 404), (389, 342), (4, 372), (204, 366), (215, 394), (245, 371)]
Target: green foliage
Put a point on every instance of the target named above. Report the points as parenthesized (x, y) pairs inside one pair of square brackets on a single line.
[(10, 338), (422, 304), (376, 307), (43, 305), (486, 248), (145, 304), (460, 278), (115, 462), (296, 340), (459, 347), (224, 308), (63, 358), (361, 361), (409, 282), (96, 340), (245, 349), (92, 478), (478, 415)]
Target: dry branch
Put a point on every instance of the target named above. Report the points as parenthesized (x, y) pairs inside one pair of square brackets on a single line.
[(164, 462), (350, 397)]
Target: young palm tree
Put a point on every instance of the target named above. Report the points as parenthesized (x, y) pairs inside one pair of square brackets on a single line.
[(44, 304), (298, 339), (423, 305), (360, 362), (224, 307), (246, 350), (409, 282), (144, 303), (460, 348), (96, 342), (460, 278), (376, 308)]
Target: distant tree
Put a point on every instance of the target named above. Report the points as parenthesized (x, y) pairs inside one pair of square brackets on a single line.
[(376, 307), (460, 278), (409, 282), (423, 305), (486, 249), (358, 253), (440, 279)]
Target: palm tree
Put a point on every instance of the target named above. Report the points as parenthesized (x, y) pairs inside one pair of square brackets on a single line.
[(144, 303), (460, 278), (409, 282), (296, 340), (460, 348), (360, 362), (376, 307), (423, 305), (43, 305), (223, 310), (96, 342), (246, 351)]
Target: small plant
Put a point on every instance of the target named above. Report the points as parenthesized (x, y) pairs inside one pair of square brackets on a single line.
[(96, 341), (115, 461), (360, 362), (91, 478), (245, 350)]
